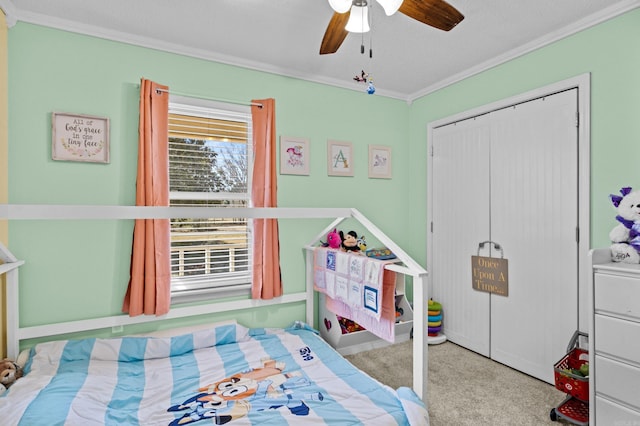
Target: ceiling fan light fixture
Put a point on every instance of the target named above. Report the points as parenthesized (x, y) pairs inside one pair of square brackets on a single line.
[(390, 6), (341, 6), (358, 20)]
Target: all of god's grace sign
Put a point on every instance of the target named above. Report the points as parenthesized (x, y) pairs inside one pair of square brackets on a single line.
[(80, 138), (490, 275)]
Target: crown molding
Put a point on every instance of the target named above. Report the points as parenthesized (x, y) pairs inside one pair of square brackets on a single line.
[(10, 12), (13, 15), (583, 24), (150, 43)]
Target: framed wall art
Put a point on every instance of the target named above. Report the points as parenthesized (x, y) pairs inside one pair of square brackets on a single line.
[(79, 137), (379, 161), (339, 158), (294, 156)]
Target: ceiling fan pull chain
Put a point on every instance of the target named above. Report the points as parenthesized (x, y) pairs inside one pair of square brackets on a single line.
[(371, 33), (362, 34)]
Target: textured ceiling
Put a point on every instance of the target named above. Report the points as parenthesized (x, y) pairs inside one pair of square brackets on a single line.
[(410, 59)]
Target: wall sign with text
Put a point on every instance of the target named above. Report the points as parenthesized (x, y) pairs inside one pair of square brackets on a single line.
[(79, 137), (490, 274)]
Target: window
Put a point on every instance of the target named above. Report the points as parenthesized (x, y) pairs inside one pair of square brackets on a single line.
[(209, 165)]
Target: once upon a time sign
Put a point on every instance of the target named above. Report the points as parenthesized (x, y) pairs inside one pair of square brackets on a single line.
[(79, 137), (490, 274)]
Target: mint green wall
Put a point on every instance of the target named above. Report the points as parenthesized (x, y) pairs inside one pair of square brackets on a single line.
[(611, 54), (79, 269)]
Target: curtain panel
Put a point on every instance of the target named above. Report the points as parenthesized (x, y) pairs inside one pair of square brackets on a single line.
[(149, 289), (266, 280)]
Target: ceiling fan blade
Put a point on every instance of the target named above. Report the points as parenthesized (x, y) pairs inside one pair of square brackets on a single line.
[(335, 33), (436, 13)]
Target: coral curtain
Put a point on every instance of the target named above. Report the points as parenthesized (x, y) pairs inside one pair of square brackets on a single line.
[(266, 282), (149, 290)]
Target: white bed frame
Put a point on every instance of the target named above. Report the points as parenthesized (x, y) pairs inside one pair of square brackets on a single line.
[(408, 266)]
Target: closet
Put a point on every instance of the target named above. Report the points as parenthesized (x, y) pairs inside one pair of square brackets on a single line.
[(508, 178)]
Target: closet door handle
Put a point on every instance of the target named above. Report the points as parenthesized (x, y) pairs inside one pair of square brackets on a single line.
[(495, 245)]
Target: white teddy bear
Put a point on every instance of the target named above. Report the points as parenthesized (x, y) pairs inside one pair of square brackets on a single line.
[(626, 235)]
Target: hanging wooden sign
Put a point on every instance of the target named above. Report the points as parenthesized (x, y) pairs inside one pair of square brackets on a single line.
[(490, 274)]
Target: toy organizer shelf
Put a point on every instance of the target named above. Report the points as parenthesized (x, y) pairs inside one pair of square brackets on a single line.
[(357, 341)]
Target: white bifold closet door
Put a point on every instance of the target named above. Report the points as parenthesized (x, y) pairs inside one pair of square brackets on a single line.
[(460, 220), (511, 177)]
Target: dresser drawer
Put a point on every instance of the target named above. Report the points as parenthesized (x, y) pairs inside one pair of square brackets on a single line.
[(618, 380), (617, 337), (618, 295), (610, 413)]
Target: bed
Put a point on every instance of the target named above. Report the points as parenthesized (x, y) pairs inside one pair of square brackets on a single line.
[(223, 374), (211, 374)]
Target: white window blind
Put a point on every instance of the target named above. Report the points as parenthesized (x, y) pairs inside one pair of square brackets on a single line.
[(209, 165)]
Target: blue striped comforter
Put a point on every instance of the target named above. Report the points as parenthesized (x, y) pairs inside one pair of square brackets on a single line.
[(227, 374)]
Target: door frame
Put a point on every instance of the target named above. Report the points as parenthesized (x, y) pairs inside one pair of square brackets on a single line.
[(583, 84)]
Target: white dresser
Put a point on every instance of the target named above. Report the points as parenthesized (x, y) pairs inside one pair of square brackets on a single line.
[(614, 341)]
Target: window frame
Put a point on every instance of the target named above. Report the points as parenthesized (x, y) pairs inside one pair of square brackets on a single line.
[(205, 287)]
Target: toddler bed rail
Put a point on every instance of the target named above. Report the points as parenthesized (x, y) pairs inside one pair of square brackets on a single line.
[(406, 265), (9, 268)]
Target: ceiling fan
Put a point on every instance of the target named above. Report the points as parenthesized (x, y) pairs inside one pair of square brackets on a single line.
[(436, 13)]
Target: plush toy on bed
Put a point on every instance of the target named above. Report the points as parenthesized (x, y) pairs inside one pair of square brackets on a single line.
[(333, 239), (9, 373), (362, 243), (349, 241), (625, 237)]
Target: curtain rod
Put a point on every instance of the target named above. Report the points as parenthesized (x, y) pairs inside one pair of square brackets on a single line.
[(209, 98)]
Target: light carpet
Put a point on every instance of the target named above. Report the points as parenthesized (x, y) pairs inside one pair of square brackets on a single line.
[(465, 388)]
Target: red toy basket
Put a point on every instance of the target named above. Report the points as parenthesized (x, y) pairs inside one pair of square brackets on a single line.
[(569, 379), (571, 383), (573, 410)]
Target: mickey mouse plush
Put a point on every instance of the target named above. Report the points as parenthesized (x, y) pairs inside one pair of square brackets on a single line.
[(626, 235), (349, 241)]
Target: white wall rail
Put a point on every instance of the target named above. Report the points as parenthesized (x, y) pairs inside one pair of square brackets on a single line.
[(65, 212)]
